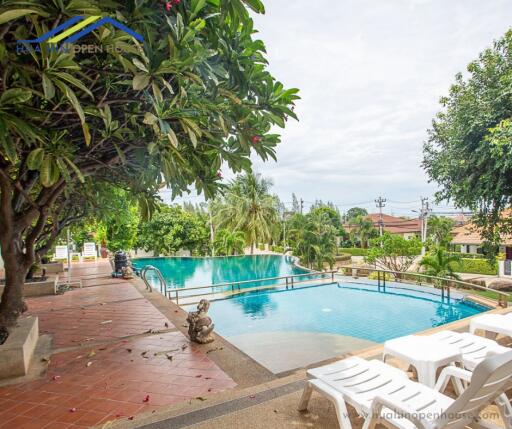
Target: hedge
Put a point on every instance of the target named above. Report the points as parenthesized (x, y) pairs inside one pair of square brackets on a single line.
[(476, 266), (467, 255), (374, 275), (353, 251), (343, 257)]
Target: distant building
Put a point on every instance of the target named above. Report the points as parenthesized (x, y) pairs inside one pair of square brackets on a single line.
[(407, 228), (467, 238)]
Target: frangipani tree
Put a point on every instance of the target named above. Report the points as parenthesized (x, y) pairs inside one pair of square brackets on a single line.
[(168, 111)]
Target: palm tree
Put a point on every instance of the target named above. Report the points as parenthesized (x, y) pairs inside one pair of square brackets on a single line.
[(314, 239), (440, 264), (249, 207), (229, 242), (363, 230)]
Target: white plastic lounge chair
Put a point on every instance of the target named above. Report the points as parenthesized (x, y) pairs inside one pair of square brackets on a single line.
[(492, 324), (90, 251), (474, 348), (383, 394), (61, 253)]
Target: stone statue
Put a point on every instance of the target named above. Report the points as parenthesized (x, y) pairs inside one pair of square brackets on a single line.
[(127, 272), (200, 326)]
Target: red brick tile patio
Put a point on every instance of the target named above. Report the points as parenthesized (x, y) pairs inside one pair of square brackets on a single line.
[(114, 368)]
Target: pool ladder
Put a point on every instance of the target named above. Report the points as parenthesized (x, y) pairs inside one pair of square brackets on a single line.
[(163, 284)]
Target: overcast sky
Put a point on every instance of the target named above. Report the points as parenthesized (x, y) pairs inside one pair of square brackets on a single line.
[(370, 74)]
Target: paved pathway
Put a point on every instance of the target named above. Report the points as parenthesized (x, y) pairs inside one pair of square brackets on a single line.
[(114, 357)]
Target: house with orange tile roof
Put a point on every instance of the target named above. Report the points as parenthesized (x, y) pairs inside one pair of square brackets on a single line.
[(469, 239), (407, 228)]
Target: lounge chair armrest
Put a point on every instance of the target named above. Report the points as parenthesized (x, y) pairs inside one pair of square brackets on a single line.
[(449, 372), (399, 408)]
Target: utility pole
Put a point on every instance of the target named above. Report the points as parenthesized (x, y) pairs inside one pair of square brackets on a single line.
[(380, 205), (301, 205), (425, 209)]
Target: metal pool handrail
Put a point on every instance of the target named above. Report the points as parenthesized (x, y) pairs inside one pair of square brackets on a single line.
[(290, 282), (163, 284), (502, 296)]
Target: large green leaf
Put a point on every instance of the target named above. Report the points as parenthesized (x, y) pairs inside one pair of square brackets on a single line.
[(49, 172), (48, 87), (140, 81), (35, 159), (15, 96), (18, 13)]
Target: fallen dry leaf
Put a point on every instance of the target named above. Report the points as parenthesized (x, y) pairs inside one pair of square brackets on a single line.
[(91, 354), (88, 364), (200, 398), (165, 352)]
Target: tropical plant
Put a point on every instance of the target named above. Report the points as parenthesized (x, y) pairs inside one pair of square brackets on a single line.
[(313, 238), (169, 111), (172, 229), (469, 146), (440, 264), (393, 252), (440, 231), (249, 207), (355, 212), (229, 242), (362, 231), (331, 212)]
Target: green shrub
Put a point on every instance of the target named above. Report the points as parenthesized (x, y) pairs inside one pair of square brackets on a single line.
[(278, 249), (261, 246), (466, 255), (343, 257), (476, 266), (374, 275), (353, 251)]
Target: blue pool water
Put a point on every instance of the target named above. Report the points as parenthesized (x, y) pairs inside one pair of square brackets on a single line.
[(192, 272), (358, 310)]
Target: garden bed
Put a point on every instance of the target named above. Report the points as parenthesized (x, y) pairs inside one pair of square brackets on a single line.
[(38, 286), (18, 349)]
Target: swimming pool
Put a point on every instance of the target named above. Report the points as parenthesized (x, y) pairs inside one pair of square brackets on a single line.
[(191, 272), (287, 329), (350, 309)]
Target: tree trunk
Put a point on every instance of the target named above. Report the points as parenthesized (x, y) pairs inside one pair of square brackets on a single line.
[(16, 268)]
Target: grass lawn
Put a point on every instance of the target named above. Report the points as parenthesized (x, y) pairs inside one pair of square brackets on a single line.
[(488, 294)]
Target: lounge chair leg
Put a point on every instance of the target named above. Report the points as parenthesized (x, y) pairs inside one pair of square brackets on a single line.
[(505, 409), (306, 396), (342, 414), (370, 422)]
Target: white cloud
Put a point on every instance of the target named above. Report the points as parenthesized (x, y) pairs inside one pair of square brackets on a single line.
[(370, 74)]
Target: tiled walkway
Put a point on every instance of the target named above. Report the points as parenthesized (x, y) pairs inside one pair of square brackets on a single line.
[(115, 356)]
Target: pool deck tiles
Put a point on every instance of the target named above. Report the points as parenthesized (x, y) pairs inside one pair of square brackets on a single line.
[(114, 357)]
